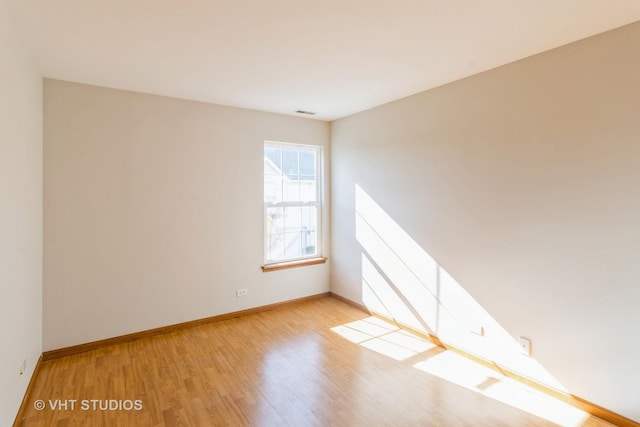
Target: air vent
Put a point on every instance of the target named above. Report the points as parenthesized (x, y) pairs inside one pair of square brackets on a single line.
[(308, 113)]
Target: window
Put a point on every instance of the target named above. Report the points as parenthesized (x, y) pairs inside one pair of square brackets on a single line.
[(292, 202)]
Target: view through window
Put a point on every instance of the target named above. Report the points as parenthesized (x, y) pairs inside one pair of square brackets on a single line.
[(292, 208)]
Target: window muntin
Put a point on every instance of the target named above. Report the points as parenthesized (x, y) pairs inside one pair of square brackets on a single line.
[(292, 202)]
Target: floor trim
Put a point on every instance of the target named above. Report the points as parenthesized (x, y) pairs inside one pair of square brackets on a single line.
[(81, 348), (27, 393), (578, 402)]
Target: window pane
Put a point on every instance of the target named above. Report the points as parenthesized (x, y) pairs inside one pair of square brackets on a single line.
[(290, 163), (308, 162), (275, 247), (274, 154), (292, 248), (309, 243), (309, 220), (272, 188), (291, 190), (293, 219), (292, 179), (308, 192), (309, 227), (275, 220)]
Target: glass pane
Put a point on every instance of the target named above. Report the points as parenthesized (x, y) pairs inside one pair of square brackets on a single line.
[(309, 243), (292, 219), (275, 247), (274, 154), (272, 188), (291, 190), (290, 163), (292, 248), (309, 218), (290, 177), (307, 162), (308, 191), (275, 220)]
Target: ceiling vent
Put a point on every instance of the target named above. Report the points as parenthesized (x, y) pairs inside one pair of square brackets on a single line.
[(308, 113)]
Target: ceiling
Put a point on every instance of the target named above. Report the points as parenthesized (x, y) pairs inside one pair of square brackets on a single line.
[(333, 57)]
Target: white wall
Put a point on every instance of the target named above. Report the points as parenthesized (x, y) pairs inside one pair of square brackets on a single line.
[(153, 211), (20, 217), (520, 183)]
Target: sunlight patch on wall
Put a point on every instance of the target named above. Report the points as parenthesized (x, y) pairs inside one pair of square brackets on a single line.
[(403, 282), (379, 297), (403, 269)]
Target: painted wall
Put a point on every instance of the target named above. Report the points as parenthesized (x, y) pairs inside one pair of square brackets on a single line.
[(20, 218), (504, 205), (153, 211)]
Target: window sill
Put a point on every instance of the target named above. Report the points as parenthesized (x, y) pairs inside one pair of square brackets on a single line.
[(292, 264)]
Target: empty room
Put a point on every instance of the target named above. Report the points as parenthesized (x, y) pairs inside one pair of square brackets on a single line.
[(305, 213)]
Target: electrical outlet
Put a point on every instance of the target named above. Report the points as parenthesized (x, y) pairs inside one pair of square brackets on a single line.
[(525, 346), (21, 368), (241, 292), (478, 330)]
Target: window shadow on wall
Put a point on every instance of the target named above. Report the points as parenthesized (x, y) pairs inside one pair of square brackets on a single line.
[(401, 281)]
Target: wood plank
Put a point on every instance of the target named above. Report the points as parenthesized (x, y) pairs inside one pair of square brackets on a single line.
[(576, 401), (293, 264), (281, 367)]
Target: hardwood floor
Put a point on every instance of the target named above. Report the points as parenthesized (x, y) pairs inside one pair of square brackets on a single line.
[(320, 363)]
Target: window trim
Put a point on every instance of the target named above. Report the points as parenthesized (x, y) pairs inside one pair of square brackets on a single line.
[(292, 264), (317, 257)]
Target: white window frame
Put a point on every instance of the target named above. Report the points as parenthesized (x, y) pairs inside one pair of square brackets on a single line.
[(318, 203)]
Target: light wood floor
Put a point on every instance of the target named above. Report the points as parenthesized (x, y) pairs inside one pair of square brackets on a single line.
[(320, 363)]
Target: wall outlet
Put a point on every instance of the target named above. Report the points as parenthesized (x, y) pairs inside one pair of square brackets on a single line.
[(479, 330), (525, 346), (22, 367), (241, 292)]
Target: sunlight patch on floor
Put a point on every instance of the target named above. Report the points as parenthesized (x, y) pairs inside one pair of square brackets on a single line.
[(389, 340), (384, 338), (480, 379)]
